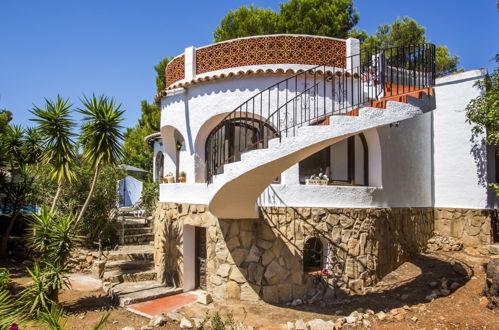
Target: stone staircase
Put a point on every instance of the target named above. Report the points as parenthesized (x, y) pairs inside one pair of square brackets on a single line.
[(258, 168), (129, 276), (135, 230)]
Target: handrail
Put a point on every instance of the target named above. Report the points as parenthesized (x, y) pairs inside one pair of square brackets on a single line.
[(317, 93)]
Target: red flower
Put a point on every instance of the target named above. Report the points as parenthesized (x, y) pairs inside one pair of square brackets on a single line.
[(14, 326), (325, 272)]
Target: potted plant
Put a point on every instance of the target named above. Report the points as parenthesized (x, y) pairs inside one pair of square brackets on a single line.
[(320, 179), (170, 178), (182, 177)]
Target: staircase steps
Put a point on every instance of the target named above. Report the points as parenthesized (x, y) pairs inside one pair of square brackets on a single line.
[(128, 265), (130, 293), (137, 230), (138, 238), (130, 275), (131, 252)]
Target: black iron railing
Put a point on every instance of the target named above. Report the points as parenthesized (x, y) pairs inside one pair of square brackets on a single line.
[(311, 96)]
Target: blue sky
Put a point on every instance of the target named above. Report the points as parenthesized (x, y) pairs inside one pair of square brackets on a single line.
[(79, 47)]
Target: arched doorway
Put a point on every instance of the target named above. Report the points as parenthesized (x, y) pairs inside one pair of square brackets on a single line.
[(226, 143), (159, 167)]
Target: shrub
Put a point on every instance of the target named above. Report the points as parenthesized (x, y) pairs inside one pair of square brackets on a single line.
[(5, 281), (150, 194)]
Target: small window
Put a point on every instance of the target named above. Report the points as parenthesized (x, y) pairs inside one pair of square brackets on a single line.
[(312, 255)]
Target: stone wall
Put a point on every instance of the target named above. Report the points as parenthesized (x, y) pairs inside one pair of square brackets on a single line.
[(473, 227), (262, 259)]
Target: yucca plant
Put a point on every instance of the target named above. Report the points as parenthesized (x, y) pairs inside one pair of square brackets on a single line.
[(52, 238), (55, 126), (14, 147), (100, 137), (53, 318), (10, 312)]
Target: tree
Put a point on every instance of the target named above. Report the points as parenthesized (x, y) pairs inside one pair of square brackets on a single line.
[(23, 148), (407, 31), (332, 18), (135, 149), (245, 22), (160, 73), (100, 136), (55, 126), (5, 118), (483, 111)]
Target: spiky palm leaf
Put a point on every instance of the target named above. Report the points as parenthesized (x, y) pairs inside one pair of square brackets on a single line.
[(33, 145), (101, 134), (55, 125)]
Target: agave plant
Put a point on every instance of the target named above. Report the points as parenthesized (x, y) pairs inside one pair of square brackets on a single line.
[(55, 126), (100, 136), (52, 237)]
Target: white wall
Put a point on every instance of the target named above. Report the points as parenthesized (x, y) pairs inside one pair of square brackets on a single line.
[(460, 165), (424, 161)]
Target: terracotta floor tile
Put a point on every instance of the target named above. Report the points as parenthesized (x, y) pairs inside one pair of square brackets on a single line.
[(162, 305)]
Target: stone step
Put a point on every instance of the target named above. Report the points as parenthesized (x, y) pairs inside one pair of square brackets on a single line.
[(131, 275), (138, 230), (139, 238), (493, 249), (132, 224), (129, 265), (132, 252), (131, 293)]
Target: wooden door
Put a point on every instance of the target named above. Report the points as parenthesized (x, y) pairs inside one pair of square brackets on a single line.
[(200, 258)]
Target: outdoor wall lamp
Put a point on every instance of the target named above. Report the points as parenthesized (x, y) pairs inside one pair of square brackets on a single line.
[(179, 145)]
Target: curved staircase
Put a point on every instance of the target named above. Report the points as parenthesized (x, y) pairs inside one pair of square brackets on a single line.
[(310, 111)]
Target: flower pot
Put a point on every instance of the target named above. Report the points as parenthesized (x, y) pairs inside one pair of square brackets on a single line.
[(182, 179), (171, 179)]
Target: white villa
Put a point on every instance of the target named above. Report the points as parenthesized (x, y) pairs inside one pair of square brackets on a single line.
[(312, 169)]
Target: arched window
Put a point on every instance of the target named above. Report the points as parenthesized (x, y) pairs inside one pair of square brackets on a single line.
[(160, 163), (313, 255), (344, 163), (234, 136)]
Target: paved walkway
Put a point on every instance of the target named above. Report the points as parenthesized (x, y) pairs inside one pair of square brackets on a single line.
[(81, 282), (162, 305)]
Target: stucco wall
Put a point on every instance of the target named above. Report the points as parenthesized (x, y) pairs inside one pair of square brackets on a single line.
[(460, 163)]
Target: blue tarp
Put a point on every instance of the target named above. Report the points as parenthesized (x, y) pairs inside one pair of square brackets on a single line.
[(130, 190)]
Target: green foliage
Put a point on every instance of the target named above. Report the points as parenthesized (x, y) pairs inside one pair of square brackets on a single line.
[(42, 294), (244, 22), (5, 281), (99, 220), (5, 118), (52, 237), (160, 73), (136, 151), (150, 194), (404, 32), (53, 318), (101, 130), (334, 18), (55, 127), (9, 311), (483, 111), (102, 322), (217, 322), (446, 64)]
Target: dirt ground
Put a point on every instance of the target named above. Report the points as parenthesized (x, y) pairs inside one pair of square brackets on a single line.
[(401, 295)]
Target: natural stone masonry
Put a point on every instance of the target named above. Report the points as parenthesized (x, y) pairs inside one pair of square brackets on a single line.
[(472, 226), (262, 259)]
